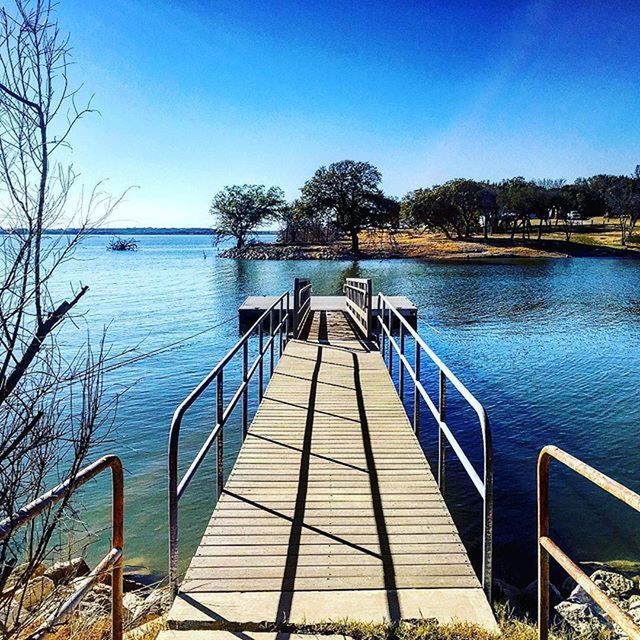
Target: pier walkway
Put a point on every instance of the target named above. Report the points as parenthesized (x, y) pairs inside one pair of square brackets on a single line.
[(331, 510)]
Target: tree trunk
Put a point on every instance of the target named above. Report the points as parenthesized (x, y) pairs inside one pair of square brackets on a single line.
[(240, 242), (355, 242), (540, 230)]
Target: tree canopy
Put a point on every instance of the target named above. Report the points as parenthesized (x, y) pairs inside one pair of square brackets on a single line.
[(241, 209), (348, 194)]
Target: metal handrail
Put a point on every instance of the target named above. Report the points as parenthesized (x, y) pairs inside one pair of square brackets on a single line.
[(547, 547), (303, 306), (113, 559), (483, 485), (176, 489), (358, 293)]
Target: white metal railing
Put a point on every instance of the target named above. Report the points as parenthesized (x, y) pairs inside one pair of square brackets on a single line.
[(389, 317)]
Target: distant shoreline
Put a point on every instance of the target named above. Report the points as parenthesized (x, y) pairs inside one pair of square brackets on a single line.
[(144, 231)]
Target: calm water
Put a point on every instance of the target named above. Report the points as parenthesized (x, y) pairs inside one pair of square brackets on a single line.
[(551, 348)]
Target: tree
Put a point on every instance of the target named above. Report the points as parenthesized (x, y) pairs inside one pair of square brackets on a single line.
[(240, 210), (431, 209), (300, 223), (588, 201), (519, 201), (52, 411), (349, 193), (622, 200)]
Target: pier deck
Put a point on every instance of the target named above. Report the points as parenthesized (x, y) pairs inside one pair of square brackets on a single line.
[(331, 510)]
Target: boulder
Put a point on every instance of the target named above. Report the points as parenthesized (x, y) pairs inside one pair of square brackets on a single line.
[(36, 590), (582, 618), (133, 607), (529, 597), (143, 609), (505, 592), (64, 572), (19, 572)]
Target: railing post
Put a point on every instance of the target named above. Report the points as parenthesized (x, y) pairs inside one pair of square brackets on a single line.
[(245, 393), (173, 511), (401, 365), (261, 361), (287, 321), (368, 304), (273, 343), (543, 554), (296, 305), (416, 394), (219, 414), (280, 320), (442, 409), (383, 334), (117, 542), (390, 353)]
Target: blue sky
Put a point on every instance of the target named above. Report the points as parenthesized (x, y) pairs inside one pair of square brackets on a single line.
[(195, 95)]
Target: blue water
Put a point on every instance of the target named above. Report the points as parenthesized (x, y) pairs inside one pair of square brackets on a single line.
[(549, 347)]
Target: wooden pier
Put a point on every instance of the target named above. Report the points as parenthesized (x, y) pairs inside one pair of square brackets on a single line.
[(331, 510)]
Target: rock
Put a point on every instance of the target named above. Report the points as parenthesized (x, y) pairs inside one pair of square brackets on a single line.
[(35, 591), (568, 586), (613, 584), (19, 572), (64, 572), (143, 610), (147, 630), (586, 617), (505, 592), (583, 618), (529, 597), (133, 604)]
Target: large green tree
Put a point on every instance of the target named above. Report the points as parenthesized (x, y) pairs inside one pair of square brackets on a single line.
[(240, 209), (454, 208), (519, 201), (349, 194)]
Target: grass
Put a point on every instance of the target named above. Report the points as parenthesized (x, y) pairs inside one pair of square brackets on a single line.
[(511, 628)]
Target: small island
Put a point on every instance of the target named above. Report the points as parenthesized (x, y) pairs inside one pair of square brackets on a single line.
[(343, 214)]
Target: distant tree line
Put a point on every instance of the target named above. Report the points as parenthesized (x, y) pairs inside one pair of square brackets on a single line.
[(345, 198)]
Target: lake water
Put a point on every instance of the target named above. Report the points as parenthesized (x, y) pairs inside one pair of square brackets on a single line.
[(551, 348)]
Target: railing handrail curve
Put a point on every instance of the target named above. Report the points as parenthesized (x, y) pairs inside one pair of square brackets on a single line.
[(483, 485), (547, 547), (112, 560)]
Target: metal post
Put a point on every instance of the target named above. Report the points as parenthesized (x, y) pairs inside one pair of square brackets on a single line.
[(219, 412), (383, 333), (280, 318), (543, 554), (271, 348), (296, 305), (390, 354), (117, 542), (286, 324), (245, 393), (416, 394), (368, 301), (442, 407), (401, 365), (260, 360)]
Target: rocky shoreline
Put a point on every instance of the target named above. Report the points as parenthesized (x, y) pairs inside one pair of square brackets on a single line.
[(408, 247), (32, 601), (264, 251), (573, 607)]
